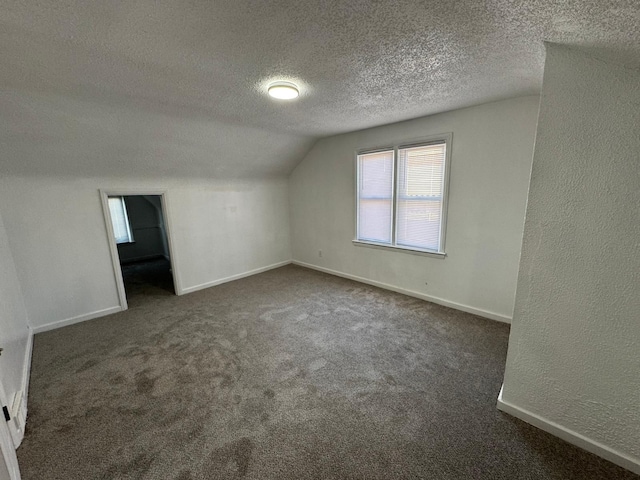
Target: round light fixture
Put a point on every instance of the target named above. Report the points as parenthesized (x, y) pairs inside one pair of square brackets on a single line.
[(284, 90)]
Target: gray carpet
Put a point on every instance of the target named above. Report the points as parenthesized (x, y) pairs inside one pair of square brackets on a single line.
[(290, 374), (148, 277)]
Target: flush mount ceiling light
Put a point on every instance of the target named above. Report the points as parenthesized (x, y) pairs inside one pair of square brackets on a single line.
[(283, 90)]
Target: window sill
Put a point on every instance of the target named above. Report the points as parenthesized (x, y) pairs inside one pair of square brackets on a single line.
[(412, 251)]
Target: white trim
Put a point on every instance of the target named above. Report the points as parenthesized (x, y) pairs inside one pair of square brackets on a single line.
[(113, 249), (7, 446), (213, 283), (608, 453), (440, 301), (80, 318), (9, 454), (18, 418), (397, 248), (26, 367), (19, 404)]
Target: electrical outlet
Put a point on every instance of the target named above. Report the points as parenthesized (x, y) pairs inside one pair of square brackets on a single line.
[(320, 253)]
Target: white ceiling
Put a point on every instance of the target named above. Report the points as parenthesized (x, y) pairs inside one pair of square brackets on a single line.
[(178, 87)]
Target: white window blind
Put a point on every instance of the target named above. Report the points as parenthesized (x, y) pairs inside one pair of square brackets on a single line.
[(120, 220), (421, 173), (375, 197), (401, 196)]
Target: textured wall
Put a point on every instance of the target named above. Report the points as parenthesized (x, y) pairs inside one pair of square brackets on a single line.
[(574, 352), (59, 243), (491, 159)]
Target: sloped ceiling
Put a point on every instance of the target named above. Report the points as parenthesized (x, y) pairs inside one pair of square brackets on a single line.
[(151, 87)]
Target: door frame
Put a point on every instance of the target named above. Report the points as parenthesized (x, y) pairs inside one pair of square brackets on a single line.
[(7, 447), (113, 247)]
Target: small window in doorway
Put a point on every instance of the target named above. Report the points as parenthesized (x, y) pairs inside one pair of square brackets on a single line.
[(120, 220)]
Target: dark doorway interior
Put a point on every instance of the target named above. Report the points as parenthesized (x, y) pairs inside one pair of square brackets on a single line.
[(148, 277)]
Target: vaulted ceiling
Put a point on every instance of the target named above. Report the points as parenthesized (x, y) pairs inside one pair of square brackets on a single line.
[(151, 87)]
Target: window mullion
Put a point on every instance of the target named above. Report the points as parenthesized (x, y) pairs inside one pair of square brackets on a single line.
[(394, 196)]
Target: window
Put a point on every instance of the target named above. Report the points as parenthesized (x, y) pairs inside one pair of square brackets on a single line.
[(120, 220), (401, 196)]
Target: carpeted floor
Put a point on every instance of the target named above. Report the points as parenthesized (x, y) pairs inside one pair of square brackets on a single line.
[(147, 278), (290, 374)]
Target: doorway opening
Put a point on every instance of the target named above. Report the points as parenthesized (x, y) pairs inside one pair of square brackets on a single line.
[(140, 242)]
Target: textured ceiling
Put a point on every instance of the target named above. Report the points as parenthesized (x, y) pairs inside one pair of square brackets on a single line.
[(179, 85)]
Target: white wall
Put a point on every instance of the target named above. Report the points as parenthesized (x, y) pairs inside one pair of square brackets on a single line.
[(574, 351), (14, 336), (57, 235), (491, 159), (4, 471)]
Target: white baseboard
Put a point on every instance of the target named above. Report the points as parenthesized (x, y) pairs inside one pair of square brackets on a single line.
[(213, 283), (80, 318), (608, 453), (411, 293), (116, 309)]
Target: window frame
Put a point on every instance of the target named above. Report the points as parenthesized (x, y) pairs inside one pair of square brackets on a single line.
[(395, 147)]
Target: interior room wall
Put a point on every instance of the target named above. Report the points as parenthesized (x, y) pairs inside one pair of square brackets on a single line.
[(57, 234), (573, 363), (492, 151), (15, 335), (145, 221), (156, 201)]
